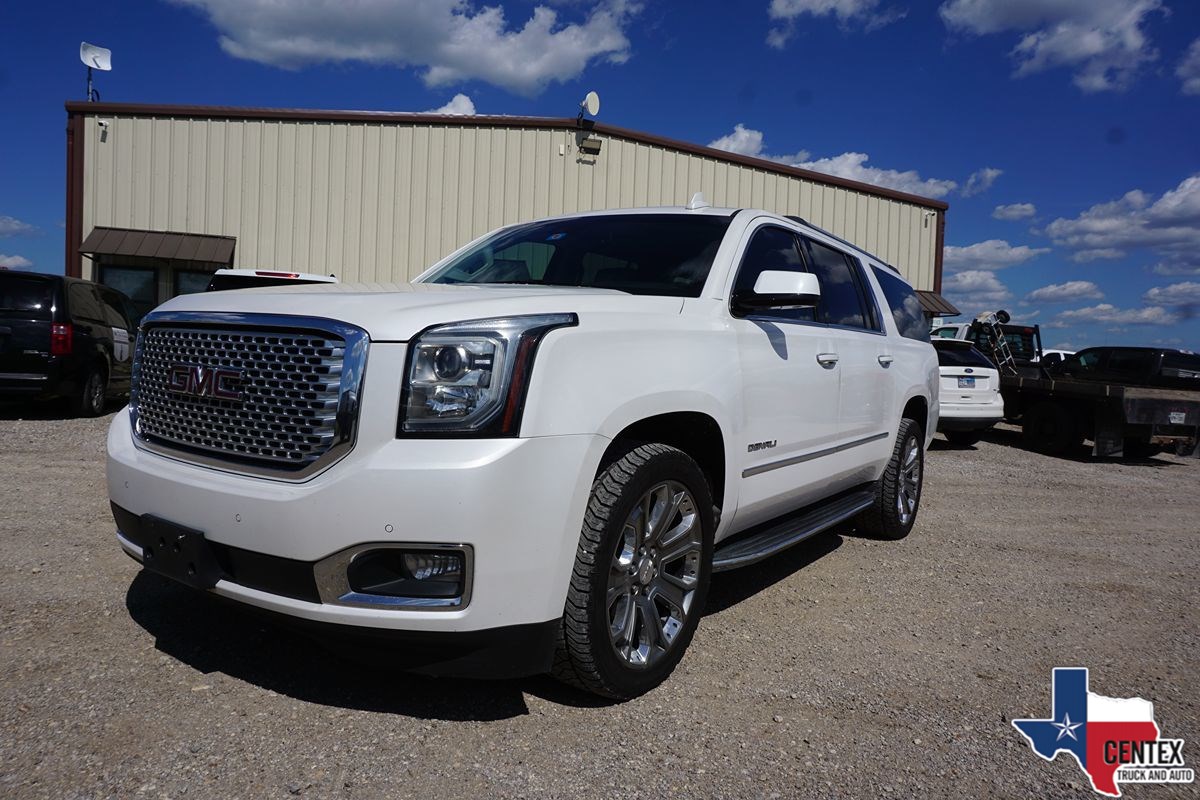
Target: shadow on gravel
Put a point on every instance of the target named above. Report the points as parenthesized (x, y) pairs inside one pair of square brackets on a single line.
[(213, 636), (730, 588), (48, 410), (1011, 437)]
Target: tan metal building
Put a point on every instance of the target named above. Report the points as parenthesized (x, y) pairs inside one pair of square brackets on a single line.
[(160, 196)]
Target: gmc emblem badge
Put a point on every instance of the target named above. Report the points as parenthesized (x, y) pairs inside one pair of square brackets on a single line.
[(222, 383)]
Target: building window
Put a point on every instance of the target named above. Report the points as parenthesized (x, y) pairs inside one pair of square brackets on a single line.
[(139, 284), (190, 282)]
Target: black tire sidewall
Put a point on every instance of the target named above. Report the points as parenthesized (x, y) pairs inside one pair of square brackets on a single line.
[(894, 527), (85, 404), (624, 680)]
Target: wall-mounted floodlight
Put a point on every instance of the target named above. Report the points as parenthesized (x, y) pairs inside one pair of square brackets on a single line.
[(95, 57)]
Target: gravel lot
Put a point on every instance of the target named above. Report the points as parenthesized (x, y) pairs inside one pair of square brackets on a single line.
[(846, 667)]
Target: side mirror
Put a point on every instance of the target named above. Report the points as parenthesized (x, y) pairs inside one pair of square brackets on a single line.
[(780, 289)]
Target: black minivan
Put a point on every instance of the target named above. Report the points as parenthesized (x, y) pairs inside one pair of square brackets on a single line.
[(64, 338)]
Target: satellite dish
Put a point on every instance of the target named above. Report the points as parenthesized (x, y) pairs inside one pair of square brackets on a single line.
[(591, 104), (95, 57)]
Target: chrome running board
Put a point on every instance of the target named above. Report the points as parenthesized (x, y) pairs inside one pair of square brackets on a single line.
[(765, 541)]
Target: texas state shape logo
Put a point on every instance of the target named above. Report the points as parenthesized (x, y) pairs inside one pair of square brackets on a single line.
[(1114, 739)]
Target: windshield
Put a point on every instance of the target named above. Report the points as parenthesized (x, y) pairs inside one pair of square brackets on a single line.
[(26, 298), (652, 254)]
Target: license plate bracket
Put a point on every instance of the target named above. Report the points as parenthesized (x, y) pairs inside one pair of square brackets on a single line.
[(179, 553), (966, 383)]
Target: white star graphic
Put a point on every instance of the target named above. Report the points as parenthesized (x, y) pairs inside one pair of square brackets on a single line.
[(1066, 727)]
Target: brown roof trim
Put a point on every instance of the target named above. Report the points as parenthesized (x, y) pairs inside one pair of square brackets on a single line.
[(937, 305), (170, 245), (562, 123)]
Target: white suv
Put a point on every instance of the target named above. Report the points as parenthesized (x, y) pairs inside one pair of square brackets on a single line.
[(532, 458)]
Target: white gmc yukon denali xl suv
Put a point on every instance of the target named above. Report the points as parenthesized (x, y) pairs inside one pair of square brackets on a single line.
[(532, 458)]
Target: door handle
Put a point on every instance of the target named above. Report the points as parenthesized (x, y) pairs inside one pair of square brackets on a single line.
[(827, 359), (885, 361)]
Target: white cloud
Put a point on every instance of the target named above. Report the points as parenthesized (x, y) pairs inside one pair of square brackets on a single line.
[(749, 142), (11, 226), (988, 255), (1102, 41), (1066, 292), (1108, 313), (459, 105), (854, 166), (1177, 266), (1177, 294), (1188, 70), (1168, 226), (849, 14), (1014, 211), (980, 181), (449, 40), (979, 289), (14, 262)]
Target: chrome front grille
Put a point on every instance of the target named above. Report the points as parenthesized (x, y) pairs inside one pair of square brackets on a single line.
[(261, 393)]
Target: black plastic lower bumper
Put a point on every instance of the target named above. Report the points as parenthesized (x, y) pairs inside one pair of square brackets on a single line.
[(508, 652)]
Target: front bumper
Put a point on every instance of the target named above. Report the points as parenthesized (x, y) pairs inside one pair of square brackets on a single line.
[(518, 503)]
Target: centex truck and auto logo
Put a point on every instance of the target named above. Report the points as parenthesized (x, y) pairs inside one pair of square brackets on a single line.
[(1114, 739)]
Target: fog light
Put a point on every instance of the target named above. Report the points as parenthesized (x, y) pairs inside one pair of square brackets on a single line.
[(408, 573)]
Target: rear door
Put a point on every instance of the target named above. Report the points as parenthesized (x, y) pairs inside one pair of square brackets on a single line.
[(853, 322), (27, 304), (93, 333)]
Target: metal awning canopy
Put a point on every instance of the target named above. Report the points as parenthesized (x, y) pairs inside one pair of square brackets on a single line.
[(933, 303), (168, 245)]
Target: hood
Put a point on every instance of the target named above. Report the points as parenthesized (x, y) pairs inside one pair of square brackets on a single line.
[(398, 311)]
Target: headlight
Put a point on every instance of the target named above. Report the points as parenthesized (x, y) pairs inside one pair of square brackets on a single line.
[(469, 378)]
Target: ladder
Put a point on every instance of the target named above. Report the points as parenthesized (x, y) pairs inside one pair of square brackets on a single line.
[(991, 322)]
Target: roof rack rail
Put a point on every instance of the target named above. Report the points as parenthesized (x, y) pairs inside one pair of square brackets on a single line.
[(836, 238)]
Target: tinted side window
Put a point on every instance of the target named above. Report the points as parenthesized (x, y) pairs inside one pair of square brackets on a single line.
[(82, 300), (1131, 362), (841, 299), (32, 298), (1089, 360), (906, 308), (773, 249)]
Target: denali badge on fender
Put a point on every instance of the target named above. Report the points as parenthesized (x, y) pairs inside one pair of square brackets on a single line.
[(200, 381), (754, 448)]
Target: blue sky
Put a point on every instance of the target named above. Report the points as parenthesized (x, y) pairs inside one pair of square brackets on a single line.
[(1065, 134)]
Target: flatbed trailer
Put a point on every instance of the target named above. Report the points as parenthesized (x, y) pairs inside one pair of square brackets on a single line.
[(1057, 414)]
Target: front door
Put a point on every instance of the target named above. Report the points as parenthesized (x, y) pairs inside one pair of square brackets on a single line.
[(791, 390)]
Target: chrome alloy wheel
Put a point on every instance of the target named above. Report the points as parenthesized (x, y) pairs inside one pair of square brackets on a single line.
[(654, 574), (908, 492)]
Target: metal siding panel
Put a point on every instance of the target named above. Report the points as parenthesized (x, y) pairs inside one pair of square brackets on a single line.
[(138, 211), (481, 181), (268, 199), (322, 167), (353, 199), (302, 237), (385, 219), (285, 208), (556, 173), (419, 193), (435, 197), (542, 160), (251, 250), (628, 187), (123, 178), (402, 230), (214, 189), (368, 238), (525, 169), (177, 170), (337, 205)]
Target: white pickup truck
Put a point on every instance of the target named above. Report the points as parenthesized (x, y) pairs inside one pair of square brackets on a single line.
[(532, 458)]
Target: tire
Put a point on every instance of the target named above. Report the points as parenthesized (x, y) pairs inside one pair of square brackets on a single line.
[(633, 604), (1049, 428), (898, 490), (90, 400), (963, 438)]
